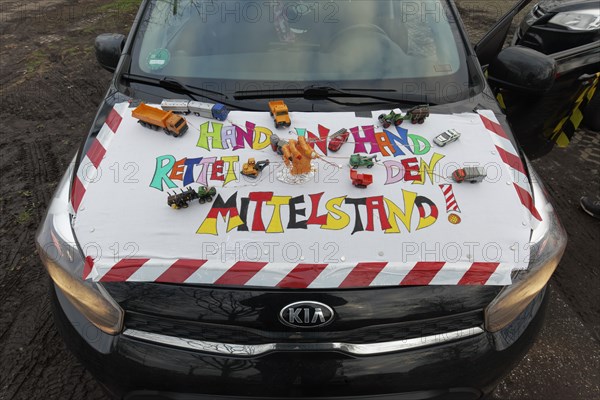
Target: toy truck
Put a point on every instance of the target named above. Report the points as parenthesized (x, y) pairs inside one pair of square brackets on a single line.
[(280, 114), (206, 110), (356, 160), (417, 114), (181, 200), (155, 118), (360, 180), (469, 174), (338, 139), (176, 105)]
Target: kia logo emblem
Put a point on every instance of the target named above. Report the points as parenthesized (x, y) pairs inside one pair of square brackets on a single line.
[(306, 314)]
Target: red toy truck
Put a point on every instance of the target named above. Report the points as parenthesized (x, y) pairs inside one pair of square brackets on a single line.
[(338, 139), (360, 180), (469, 174)]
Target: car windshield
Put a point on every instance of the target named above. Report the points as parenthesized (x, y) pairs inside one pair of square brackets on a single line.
[(365, 44)]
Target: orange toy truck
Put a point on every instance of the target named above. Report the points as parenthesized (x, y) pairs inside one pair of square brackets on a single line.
[(279, 112), (155, 118)]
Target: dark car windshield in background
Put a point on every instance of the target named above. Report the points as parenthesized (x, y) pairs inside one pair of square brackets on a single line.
[(345, 43)]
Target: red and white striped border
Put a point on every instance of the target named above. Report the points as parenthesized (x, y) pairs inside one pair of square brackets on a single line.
[(451, 204), (300, 276), (90, 163), (510, 157), (291, 275)]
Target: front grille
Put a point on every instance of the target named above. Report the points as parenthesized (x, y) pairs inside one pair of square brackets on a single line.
[(249, 336)]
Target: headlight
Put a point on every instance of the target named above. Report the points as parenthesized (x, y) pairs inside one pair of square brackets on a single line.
[(65, 264), (585, 20), (533, 16), (548, 244)]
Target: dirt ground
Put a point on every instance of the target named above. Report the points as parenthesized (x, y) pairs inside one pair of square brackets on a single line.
[(51, 86)]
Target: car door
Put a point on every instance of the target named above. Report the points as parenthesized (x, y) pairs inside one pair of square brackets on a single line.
[(544, 118)]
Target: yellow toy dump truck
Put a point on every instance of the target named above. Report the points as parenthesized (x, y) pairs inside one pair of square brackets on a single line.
[(155, 118), (279, 112)]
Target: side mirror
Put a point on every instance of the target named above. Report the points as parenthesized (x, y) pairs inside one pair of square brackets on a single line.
[(108, 50), (523, 70)]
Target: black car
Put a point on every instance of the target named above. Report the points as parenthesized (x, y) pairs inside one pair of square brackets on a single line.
[(176, 341), (555, 26), (569, 33)]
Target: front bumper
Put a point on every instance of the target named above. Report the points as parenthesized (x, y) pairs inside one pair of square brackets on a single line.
[(134, 369)]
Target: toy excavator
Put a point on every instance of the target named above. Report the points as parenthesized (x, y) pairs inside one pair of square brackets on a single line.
[(252, 168), (297, 156)]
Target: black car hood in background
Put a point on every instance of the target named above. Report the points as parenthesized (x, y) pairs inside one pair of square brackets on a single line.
[(555, 6)]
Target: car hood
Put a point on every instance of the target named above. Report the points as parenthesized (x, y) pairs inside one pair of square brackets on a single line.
[(566, 5), (413, 226)]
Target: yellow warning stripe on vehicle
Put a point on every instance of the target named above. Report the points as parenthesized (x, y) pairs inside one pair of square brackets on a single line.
[(564, 131), (500, 101)]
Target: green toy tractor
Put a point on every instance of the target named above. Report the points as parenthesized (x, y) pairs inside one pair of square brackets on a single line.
[(206, 194)]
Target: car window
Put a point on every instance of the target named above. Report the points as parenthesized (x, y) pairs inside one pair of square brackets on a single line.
[(336, 41)]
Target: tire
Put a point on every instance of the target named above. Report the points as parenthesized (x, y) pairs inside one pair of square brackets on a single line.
[(591, 116), (413, 121), (421, 120), (386, 125), (370, 166), (398, 122), (201, 201)]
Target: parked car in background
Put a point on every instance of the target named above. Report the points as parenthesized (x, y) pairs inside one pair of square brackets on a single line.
[(569, 33)]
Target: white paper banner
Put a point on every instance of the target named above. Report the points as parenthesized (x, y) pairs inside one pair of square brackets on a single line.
[(412, 225)]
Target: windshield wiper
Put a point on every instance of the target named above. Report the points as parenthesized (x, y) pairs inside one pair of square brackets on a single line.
[(330, 93), (176, 86)]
